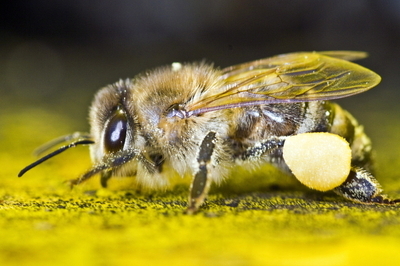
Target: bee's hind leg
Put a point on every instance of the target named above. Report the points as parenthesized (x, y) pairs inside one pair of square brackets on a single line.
[(361, 186)]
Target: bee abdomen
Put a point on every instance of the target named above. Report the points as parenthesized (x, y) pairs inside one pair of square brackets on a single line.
[(345, 125)]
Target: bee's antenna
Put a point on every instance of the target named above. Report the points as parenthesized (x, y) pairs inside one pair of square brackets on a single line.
[(71, 137), (54, 153)]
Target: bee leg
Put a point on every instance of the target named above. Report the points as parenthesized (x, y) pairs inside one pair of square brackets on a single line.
[(110, 162), (269, 147), (361, 186), (201, 183), (104, 177)]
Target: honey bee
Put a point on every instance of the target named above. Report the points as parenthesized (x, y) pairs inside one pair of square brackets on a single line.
[(200, 120)]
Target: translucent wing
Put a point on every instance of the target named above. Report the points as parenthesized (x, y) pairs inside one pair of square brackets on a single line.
[(295, 77)]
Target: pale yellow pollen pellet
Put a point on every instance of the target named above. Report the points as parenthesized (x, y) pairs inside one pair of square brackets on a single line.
[(320, 161)]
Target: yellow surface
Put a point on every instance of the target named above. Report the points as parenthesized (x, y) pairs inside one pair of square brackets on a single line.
[(254, 219)]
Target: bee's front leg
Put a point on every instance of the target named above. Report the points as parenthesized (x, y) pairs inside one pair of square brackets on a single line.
[(201, 181), (104, 177), (361, 186)]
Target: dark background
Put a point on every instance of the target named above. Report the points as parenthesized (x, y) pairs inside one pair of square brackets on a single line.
[(55, 54)]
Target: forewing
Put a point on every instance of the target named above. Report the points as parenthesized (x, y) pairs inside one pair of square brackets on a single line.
[(295, 77)]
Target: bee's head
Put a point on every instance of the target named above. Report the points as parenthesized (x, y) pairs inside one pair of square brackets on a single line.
[(115, 130), (112, 133)]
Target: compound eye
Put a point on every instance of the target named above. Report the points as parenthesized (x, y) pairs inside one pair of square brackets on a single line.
[(115, 132)]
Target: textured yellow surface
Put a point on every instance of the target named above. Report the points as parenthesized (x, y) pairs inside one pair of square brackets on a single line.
[(259, 218)]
